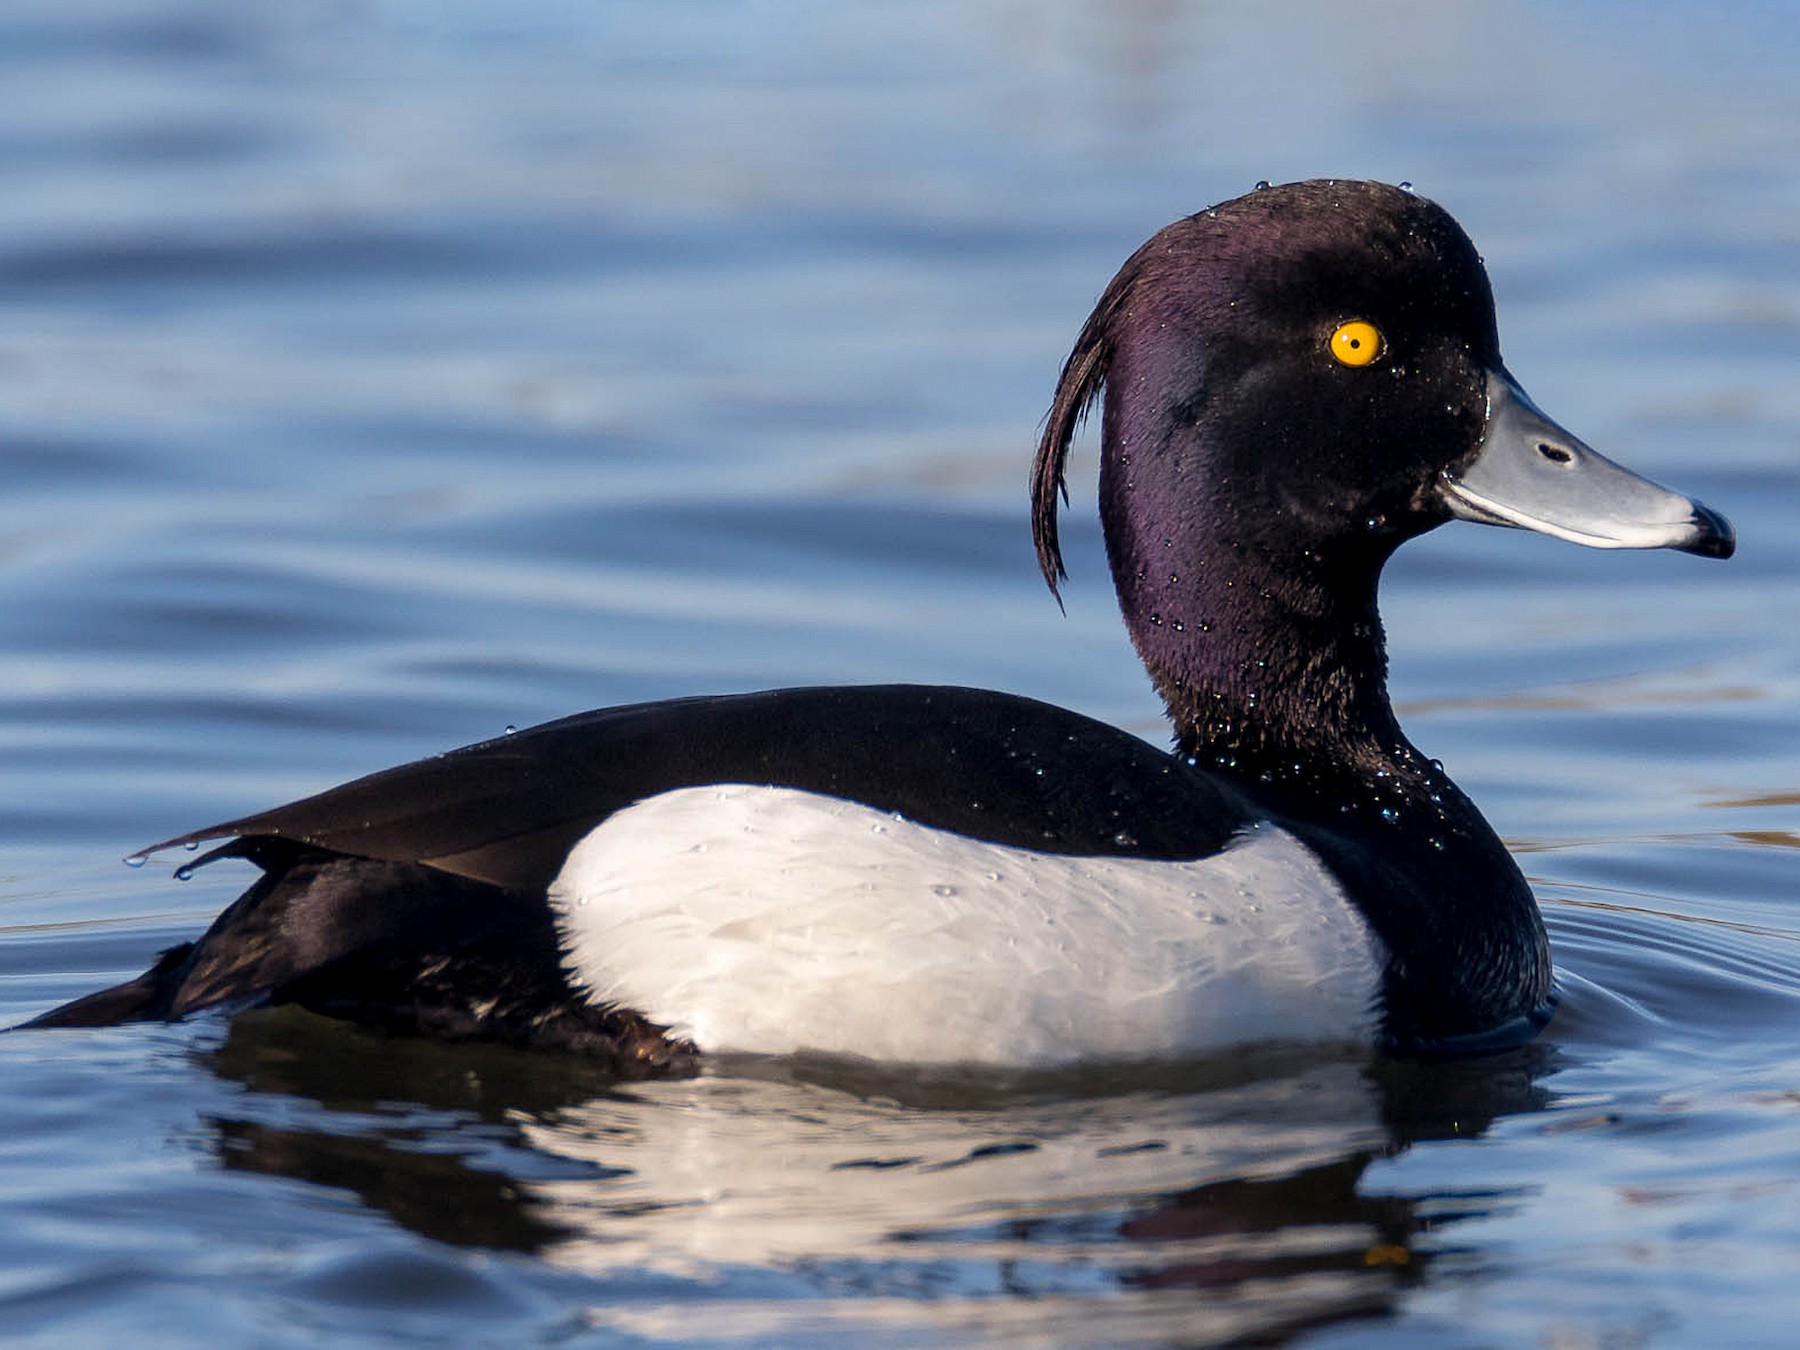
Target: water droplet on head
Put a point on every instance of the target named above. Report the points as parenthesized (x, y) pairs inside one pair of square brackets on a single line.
[(1406, 187), (1437, 843), (943, 890), (511, 730), (1389, 814), (1124, 839), (1375, 522), (1262, 185)]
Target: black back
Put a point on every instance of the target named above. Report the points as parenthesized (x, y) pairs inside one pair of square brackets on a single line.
[(992, 766)]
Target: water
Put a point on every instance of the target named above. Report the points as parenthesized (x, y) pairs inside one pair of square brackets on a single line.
[(374, 376)]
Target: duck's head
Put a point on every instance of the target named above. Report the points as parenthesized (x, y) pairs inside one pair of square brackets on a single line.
[(1311, 374)]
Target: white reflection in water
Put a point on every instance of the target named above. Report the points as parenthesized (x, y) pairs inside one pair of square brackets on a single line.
[(733, 1170)]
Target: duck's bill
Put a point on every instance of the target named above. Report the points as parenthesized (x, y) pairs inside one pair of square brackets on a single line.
[(1531, 474)]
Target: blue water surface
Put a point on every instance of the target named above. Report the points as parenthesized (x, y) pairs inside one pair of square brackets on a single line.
[(376, 374)]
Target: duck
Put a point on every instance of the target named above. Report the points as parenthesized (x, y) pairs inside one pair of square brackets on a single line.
[(1292, 383)]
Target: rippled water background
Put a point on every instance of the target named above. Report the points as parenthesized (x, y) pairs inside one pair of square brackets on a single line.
[(374, 375)]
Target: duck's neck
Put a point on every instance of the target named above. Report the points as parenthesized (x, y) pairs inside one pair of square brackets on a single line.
[(1268, 652)]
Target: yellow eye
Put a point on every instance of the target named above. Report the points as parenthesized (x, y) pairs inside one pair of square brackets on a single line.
[(1356, 343)]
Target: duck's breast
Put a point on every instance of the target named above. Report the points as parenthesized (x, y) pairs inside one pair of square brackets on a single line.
[(775, 921)]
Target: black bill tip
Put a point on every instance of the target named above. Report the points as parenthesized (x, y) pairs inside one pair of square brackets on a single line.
[(1712, 535)]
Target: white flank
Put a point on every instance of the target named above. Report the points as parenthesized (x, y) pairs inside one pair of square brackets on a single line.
[(774, 921)]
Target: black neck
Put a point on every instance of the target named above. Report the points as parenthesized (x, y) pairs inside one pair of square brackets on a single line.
[(1267, 653)]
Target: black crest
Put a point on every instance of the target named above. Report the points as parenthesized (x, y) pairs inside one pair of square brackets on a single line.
[(1083, 377)]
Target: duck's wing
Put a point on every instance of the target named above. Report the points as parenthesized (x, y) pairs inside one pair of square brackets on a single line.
[(992, 766)]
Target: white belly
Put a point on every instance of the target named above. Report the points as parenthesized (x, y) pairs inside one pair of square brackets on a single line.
[(774, 921)]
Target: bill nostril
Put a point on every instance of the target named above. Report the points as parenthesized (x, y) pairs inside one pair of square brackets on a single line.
[(1556, 454)]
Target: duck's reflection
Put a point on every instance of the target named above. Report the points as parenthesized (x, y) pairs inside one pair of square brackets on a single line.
[(1227, 1195)]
